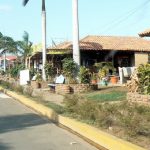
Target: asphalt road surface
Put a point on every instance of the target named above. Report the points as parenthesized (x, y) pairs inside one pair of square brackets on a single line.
[(23, 129)]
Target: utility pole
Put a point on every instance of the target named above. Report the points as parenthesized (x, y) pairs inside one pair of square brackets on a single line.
[(43, 39), (76, 49)]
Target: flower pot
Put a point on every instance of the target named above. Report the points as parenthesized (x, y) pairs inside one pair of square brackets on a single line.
[(94, 81), (114, 79), (104, 83)]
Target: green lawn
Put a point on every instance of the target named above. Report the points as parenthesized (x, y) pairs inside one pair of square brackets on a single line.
[(104, 97)]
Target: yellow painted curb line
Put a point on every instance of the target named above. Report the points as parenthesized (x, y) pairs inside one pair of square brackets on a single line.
[(94, 135)]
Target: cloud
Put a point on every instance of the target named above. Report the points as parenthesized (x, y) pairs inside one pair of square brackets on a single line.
[(5, 8)]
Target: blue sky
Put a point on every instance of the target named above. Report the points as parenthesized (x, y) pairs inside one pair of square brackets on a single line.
[(97, 17)]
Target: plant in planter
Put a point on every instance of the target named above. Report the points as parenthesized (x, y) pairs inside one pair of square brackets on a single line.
[(84, 75), (70, 69), (103, 71), (114, 78), (38, 79), (94, 78), (49, 70)]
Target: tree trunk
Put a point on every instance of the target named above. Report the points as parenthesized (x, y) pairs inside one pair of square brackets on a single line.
[(26, 62), (29, 62)]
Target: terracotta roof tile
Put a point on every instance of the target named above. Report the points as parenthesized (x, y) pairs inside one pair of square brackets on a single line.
[(11, 58), (109, 43), (64, 45), (145, 33), (119, 43)]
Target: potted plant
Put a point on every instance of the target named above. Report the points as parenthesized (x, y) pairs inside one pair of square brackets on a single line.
[(69, 69), (103, 71), (84, 75), (94, 78), (38, 79), (114, 78), (49, 71)]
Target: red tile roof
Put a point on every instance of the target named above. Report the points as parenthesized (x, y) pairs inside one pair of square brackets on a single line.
[(11, 58), (145, 33), (108, 43)]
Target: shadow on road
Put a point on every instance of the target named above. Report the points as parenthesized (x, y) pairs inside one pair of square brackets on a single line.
[(19, 122), (4, 147)]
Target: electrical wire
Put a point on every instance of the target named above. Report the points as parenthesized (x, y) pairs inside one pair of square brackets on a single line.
[(121, 19)]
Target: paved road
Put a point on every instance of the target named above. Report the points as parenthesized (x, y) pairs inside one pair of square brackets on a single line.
[(22, 129)]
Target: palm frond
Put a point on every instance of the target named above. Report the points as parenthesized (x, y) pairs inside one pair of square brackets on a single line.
[(25, 2)]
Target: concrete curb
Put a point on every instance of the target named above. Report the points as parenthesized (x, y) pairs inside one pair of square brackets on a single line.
[(95, 136)]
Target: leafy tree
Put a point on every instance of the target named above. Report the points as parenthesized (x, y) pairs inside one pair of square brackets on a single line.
[(14, 71), (7, 45), (25, 47), (43, 33)]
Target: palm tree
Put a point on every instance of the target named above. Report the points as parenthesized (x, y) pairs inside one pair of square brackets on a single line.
[(43, 36), (7, 45), (25, 48), (76, 49)]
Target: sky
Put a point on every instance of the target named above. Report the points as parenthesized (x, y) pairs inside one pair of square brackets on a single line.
[(96, 17)]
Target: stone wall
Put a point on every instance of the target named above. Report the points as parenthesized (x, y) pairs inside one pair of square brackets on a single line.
[(36, 84), (136, 97), (74, 88), (59, 88)]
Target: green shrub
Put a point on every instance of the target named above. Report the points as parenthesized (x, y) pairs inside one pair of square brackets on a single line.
[(14, 71), (5, 84), (106, 115), (131, 118), (135, 119), (71, 103), (50, 70), (70, 68), (86, 110), (84, 75), (144, 78), (18, 88)]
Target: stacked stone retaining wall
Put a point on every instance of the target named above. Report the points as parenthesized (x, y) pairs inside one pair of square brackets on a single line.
[(136, 97), (74, 88)]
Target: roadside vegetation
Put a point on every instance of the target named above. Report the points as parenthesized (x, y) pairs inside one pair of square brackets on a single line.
[(106, 108), (123, 119)]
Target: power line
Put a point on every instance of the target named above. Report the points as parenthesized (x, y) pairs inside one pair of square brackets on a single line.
[(121, 19)]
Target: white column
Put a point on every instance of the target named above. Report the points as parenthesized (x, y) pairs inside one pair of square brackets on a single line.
[(5, 61), (76, 49), (43, 44), (121, 75)]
